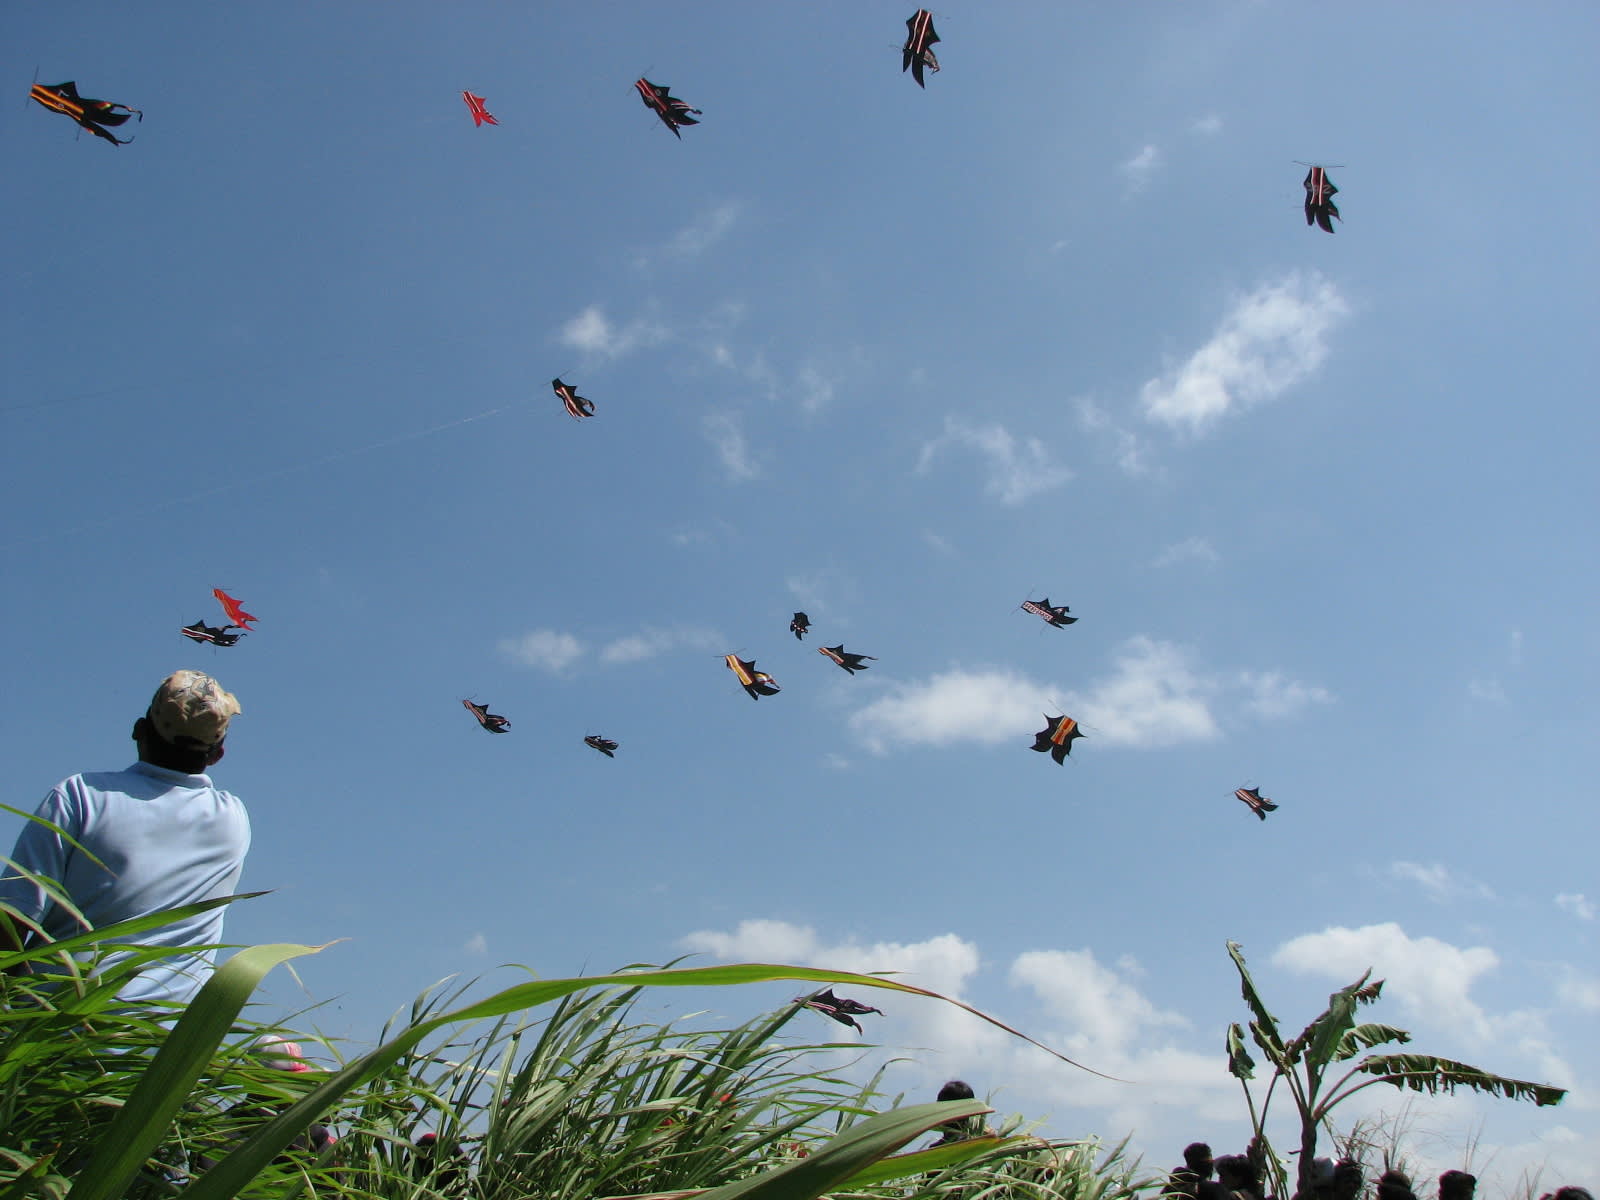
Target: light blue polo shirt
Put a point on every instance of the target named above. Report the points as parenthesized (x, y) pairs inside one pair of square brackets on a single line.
[(163, 839)]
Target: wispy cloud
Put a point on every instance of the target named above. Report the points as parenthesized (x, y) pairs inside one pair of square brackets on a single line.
[(1438, 881), (1207, 126), (822, 589), (476, 944), (654, 642), (1018, 469), (1268, 694), (546, 649), (1488, 691), (1272, 339), (1577, 904), (727, 436), (1153, 696), (1128, 451), (1191, 549), (592, 332), (1138, 169), (695, 238)]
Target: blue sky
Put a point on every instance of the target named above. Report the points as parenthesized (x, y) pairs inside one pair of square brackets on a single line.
[(901, 358)]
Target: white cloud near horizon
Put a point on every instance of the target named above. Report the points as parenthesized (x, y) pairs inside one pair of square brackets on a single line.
[(725, 433), (546, 649), (1270, 340), (592, 332), (651, 643), (1018, 469), (1152, 697)]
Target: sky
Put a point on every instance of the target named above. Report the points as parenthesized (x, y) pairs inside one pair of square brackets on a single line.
[(900, 358)]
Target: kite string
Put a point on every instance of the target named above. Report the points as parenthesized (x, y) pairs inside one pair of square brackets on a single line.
[(280, 473)]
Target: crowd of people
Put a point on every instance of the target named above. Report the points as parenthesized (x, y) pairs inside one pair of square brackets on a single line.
[(1239, 1177)]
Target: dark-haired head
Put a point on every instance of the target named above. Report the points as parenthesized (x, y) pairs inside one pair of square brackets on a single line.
[(956, 1089), (1197, 1157)]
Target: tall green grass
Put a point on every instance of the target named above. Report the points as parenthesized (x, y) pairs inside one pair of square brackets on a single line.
[(551, 1089)]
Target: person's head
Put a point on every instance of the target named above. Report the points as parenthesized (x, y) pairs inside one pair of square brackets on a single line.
[(1347, 1179), (1457, 1185), (956, 1089), (1197, 1158), (186, 723), (1573, 1193), (1235, 1171)]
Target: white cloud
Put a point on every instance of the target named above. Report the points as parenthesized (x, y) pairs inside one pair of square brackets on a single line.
[(705, 231), (1153, 697), (546, 649), (725, 434), (653, 642), (476, 944), (1107, 1011), (593, 333), (1577, 904), (1580, 991), (1017, 469), (1423, 975), (1138, 169), (816, 389), (1488, 691), (1516, 647), (986, 706), (1192, 549), (1272, 696), (1438, 881), (1272, 339), (1129, 452), (821, 589), (1208, 125)]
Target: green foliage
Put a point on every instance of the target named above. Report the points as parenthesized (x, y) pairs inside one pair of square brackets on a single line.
[(1302, 1066), (579, 1102)]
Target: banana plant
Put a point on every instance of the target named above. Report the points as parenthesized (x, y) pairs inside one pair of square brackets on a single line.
[(1312, 1067)]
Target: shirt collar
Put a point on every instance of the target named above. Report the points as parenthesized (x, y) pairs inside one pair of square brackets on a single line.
[(166, 776)]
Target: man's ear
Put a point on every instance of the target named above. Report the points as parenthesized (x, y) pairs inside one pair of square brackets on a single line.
[(141, 728), (215, 756)]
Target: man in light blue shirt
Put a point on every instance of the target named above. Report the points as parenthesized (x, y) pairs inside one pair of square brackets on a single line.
[(160, 835)]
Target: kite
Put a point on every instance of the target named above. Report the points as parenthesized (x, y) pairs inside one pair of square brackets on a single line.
[(237, 617), (1258, 803), (1319, 199), (850, 662), (1056, 616), (660, 100), (492, 722), (1056, 738), (480, 115), (93, 115), (840, 1009), (755, 683), (217, 636), (800, 626), (915, 53), (578, 406), (605, 745)]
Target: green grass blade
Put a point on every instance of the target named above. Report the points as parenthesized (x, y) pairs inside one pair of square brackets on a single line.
[(138, 1128)]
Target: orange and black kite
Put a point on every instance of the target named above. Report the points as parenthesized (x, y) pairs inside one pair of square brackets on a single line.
[(756, 683), (800, 626), (93, 115), (603, 744), (1319, 199), (1053, 615), (840, 1008), (1056, 738)]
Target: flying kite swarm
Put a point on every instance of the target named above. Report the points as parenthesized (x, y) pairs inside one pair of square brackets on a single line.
[(98, 117)]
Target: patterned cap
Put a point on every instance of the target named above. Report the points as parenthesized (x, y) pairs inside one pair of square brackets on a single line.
[(191, 711)]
